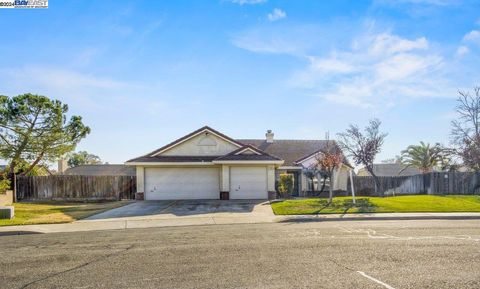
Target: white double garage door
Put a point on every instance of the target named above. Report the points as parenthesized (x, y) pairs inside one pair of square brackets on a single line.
[(204, 183)]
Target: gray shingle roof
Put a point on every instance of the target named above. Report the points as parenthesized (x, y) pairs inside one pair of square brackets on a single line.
[(288, 150), (390, 170), (262, 156), (231, 157), (101, 170)]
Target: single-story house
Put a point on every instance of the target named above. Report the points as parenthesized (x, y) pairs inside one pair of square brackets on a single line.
[(390, 170), (101, 170), (207, 164)]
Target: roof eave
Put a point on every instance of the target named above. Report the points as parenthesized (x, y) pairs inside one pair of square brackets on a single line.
[(168, 164), (266, 162)]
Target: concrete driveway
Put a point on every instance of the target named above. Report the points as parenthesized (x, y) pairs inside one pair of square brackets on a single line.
[(208, 211)]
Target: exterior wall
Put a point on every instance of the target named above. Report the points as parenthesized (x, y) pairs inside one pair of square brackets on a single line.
[(225, 178), (362, 172), (308, 162), (303, 184), (6, 198), (271, 178), (140, 179), (202, 145), (340, 179)]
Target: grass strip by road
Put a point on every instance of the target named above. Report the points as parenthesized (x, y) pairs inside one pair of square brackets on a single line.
[(402, 204), (57, 212)]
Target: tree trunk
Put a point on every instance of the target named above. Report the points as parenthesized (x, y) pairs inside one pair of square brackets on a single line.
[(330, 193), (377, 184), (30, 168), (330, 187), (13, 164)]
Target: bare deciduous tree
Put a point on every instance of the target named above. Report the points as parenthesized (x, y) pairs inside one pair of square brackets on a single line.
[(362, 147), (466, 129), (329, 159)]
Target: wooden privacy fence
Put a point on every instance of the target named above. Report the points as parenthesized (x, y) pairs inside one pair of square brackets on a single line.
[(61, 187), (436, 183)]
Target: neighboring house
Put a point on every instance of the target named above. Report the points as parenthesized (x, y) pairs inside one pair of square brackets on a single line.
[(390, 170), (101, 170), (207, 164)]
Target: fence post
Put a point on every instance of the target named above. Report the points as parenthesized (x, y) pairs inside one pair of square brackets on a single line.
[(431, 186)]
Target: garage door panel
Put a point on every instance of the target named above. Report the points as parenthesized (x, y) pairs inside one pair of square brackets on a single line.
[(248, 183), (181, 183)]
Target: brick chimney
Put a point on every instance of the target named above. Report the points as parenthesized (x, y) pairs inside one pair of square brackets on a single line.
[(62, 166), (269, 136)]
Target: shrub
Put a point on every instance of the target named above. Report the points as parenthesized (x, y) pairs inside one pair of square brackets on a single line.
[(285, 185), (4, 185)]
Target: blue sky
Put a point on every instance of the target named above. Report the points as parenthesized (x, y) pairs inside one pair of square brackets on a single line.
[(142, 73)]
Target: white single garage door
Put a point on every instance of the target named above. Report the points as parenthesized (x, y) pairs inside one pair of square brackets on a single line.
[(248, 183), (182, 183)]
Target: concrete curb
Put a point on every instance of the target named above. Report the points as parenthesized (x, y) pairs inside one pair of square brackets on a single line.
[(380, 217)]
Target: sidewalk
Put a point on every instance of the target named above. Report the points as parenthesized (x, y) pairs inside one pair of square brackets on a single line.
[(125, 223), (133, 223)]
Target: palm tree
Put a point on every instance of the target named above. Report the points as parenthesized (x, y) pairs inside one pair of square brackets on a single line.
[(423, 157)]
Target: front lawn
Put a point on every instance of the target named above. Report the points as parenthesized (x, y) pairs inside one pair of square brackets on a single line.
[(403, 204), (57, 212)]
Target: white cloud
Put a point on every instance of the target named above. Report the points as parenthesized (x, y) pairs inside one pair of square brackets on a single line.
[(379, 70), (276, 14), (60, 78), (285, 38), (248, 2), (328, 65), (256, 41), (387, 43), (364, 65), (469, 41), (402, 66), (473, 36), (80, 89), (462, 50)]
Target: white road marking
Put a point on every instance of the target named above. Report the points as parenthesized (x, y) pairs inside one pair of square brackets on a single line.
[(375, 280), (372, 234)]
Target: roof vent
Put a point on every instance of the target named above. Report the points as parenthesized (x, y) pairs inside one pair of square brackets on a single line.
[(269, 136)]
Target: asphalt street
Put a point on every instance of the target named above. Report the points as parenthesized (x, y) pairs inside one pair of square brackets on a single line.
[(345, 254)]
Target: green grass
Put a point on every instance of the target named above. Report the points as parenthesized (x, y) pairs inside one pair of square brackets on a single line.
[(57, 212), (403, 204)]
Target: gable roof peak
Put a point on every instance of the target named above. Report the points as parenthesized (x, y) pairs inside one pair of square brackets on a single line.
[(193, 134)]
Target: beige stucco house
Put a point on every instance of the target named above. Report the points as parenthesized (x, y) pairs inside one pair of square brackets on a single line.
[(207, 164)]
